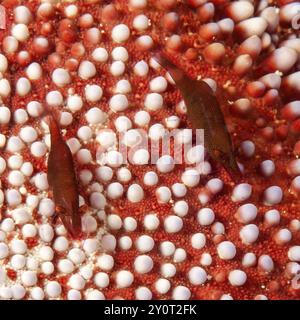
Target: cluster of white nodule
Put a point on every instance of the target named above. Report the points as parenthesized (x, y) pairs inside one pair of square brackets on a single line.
[(111, 180)]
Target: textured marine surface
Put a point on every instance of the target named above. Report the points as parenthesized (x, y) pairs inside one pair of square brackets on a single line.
[(160, 230)]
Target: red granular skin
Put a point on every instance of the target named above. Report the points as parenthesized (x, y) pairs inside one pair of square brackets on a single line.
[(11, 274), (276, 284), (31, 242)]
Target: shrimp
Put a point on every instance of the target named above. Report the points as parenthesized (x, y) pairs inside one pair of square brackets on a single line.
[(204, 112), (62, 180)]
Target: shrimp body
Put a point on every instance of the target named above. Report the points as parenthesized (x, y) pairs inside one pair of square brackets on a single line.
[(62, 180), (204, 112)]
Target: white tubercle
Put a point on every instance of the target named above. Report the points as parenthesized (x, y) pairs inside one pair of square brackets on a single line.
[(130, 224), (266, 263), (142, 118), (115, 190), (294, 253), (167, 248), (271, 15), (151, 222), (181, 208), (124, 278), (158, 84), (141, 68), (135, 193), (3, 63), (181, 293), (153, 101), (143, 264), (163, 194), (226, 25), (95, 116), (252, 27), (22, 15), (133, 138), (141, 157), (218, 228), (123, 87), (190, 177), (61, 77), (105, 262), (205, 216), (196, 154), (240, 10), (226, 250), (214, 185), (71, 11), (271, 80), (23, 86), (168, 270), (120, 33), (173, 224), (54, 98), (292, 43), (246, 213), (241, 192), (179, 255), (282, 59), (143, 293), (53, 289), (114, 222), (20, 32), (117, 68), (156, 132), (140, 22), (197, 276), (273, 195), (10, 44), (86, 70), (289, 11), (145, 42), (5, 88), (47, 268), (162, 286), (5, 115), (93, 92), (237, 278), (272, 217), (165, 164), (249, 233), (91, 245), (124, 175), (123, 124), (145, 243), (120, 54), (179, 190), (34, 71), (267, 168), (118, 103), (35, 108), (198, 240), (172, 122), (206, 259), (283, 236), (248, 148), (100, 55), (138, 4), (249, 260)]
